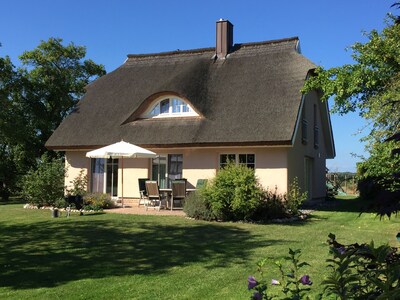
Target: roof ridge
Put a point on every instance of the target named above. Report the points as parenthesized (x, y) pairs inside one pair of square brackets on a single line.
[(276, 41), (236, 46), (169, 53)]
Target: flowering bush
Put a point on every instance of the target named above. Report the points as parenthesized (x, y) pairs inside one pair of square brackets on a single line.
[(97, 201), (294, 283), (363, 271), (357, 272)]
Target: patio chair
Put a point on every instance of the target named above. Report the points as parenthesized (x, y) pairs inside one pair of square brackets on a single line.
[(201, 183), (155, 199), (178, 193), (142, 190)]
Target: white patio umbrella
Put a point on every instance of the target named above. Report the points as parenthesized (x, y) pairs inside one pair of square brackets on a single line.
[(121, 150)]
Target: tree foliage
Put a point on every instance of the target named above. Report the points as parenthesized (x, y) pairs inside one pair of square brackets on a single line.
[(383, 165), (35, 98), (370, 86), (44, 185)]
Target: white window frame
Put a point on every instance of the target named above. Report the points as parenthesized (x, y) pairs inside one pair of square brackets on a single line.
[(171, 113), (106, 170), (237, 161)]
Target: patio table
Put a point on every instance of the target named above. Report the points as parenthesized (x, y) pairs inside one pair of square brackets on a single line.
[(168, 193)]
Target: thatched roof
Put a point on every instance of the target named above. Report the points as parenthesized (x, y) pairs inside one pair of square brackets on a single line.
[(250, 98)]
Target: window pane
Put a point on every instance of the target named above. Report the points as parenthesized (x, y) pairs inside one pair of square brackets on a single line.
[(251, 166), (242, 159), (112, 177), (250, 158), (316, 137), (223, 158), (159, 171), (156, 110), (304, 131), (175, 166), (97, 175), (176, 108), (171, 107), (226, 158), (164, 106)]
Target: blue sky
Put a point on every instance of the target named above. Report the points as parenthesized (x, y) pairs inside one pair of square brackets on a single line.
[(112, 29)]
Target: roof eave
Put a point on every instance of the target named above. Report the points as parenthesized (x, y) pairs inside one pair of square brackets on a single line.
[(182, 145)]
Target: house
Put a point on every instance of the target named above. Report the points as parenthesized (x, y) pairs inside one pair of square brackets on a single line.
[(199, 108)]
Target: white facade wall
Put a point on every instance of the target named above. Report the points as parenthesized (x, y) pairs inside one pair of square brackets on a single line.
[(198, 163)]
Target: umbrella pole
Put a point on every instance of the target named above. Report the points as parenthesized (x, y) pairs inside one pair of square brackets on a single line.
[(122, 160)]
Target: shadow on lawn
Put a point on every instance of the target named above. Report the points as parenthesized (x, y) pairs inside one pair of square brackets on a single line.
[(48, 253), (12, 200), (355, 204)]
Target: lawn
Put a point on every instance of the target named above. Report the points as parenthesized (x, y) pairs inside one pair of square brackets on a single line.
[(110, 256)]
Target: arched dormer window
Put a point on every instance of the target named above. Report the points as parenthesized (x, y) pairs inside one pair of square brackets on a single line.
[(169, 106)]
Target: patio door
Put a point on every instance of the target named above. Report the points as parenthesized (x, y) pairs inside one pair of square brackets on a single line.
[(166, 168), (104, 177), (159, 170)]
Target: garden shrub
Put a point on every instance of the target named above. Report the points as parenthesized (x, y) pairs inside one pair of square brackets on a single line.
[(44, 186), (79, 185), (234, 194), (280, 206), (61, 203), (197, 207), (97, 201), (273, 206), (295, 197)]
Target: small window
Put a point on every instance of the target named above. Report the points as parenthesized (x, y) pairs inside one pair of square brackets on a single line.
[(247, 160), (316, 137), (316, 129), (164, 106), (170, 107), (304, 128), (242, 159), (225, 159)]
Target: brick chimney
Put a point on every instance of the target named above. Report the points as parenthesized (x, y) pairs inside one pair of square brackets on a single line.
[(224, 38)]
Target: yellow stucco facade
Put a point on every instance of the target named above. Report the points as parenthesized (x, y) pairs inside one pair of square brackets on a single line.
[(275, 166)]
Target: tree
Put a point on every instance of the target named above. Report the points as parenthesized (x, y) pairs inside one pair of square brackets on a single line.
[(44, 185), (370, 86), (54, 80), (36, 97)]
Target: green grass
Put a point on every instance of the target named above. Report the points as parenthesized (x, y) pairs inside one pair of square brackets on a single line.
[(110, 256)]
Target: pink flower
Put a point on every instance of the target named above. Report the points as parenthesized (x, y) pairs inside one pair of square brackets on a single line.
[(252, 282), (257, 296), (275, 282), (305, 280)]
